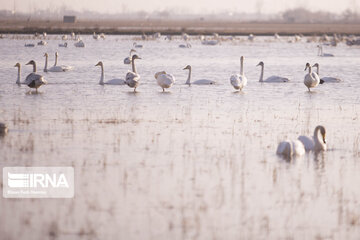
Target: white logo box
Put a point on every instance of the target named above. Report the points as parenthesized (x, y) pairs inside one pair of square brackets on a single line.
[(38, 182)]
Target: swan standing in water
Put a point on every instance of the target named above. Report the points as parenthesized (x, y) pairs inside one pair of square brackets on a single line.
[(197, 82), (34, 80), (321, 52), (289, 148), (127, 60), (311, 79), (239, 81), (316, 143), (115, 81), (132, 78), (272, 79), (164, 80), (326, 79)]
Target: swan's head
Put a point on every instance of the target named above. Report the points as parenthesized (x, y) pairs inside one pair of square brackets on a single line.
[(135, 57), (99, 64), (17, 65), (187, 67), (323, 133), (56, 54), (315, 65), (307, 66), (159, 73), (32, 62), (260, 64), (46, 55), (242, 58)]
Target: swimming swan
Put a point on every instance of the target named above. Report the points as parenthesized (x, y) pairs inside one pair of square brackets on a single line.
[(326, 79), (115, 81), (316, 143), (19, 74), (272, 79), (321, 52), (197, 82), (127, 60), (132, 78), (239, 81), (34, 80), (311, 79), (55, 68), (164, 80), (289, 148)]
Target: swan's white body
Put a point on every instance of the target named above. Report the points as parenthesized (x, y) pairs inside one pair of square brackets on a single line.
[(132, 78), (326, 79), (96, 36), (197, 82), (164, 80), (115, 81), (289, 148), (55, 68), (80, 43), (272, 79), (127, 60), (311, 79), (34, 80), (315, 143), (239, 81), (321, 52)]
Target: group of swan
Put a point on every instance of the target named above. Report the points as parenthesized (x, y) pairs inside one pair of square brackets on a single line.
[(289, 148), (33, 80), (55, 68), (312, 79)]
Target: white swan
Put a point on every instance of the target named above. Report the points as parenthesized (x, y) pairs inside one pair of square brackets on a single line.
[(289, 148), (326, 79), (135, 45), (321, 52), (127, 60), (311, 79), (55, 68), (197, 82), (63, 67), (132, 78), (272, 79), (239, 81), (42, 43), (34, 80), (115, 81), (164, 80), (187, 45), (316, 143), (96, 36)]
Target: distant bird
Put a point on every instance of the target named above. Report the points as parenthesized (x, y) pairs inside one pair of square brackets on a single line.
[(321, 52), (272, 79), (135, 45), (127, 60), (34, 80), (326, 79), (197, 82), (164, 80), (316, 143), (311, 79), (96, 36), (239, 81), (132, 78), (3, 129), (187, 45), (289, 149), (115, 81), (63, 45), (251, 37), (42, 43), (29, 45), (80, 43)]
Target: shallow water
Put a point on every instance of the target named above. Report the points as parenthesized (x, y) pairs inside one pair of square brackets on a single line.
[(194, 162)]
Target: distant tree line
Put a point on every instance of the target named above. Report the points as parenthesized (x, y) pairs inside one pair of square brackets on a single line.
[(302, 15)]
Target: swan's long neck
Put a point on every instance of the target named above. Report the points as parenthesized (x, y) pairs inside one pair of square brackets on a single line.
[(241, 66), (310, 71), (317, 69), (262, 74), (56, 57), (133, 66), (46, 63), (34, 67), (18, 77), (319, 143), (102, 75), (189, 77)]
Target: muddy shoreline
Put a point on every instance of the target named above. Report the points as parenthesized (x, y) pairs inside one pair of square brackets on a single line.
[(194, 27)]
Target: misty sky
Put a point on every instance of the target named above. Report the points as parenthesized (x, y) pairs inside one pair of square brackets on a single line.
[(182, 6)]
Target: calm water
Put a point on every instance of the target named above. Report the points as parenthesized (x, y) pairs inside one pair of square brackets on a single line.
[(195, 162)]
